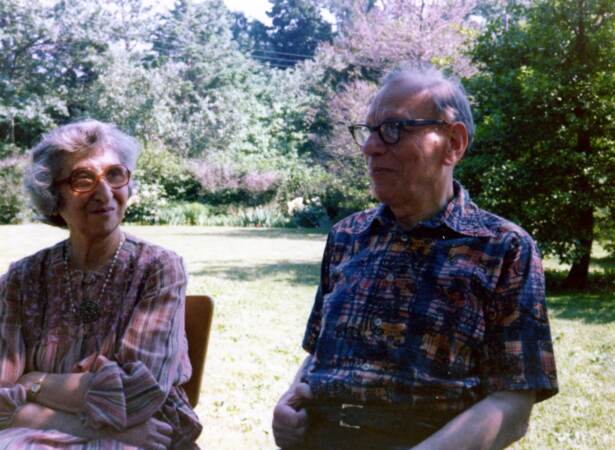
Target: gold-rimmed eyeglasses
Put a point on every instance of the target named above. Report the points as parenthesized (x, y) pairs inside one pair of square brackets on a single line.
[(85, 180)]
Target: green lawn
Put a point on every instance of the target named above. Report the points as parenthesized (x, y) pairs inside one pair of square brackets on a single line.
[(263, 282)]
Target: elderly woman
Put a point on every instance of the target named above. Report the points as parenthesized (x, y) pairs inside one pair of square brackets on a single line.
[(92, 344)]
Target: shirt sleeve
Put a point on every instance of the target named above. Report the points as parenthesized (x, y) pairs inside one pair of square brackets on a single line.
[(131, 388), (312, 330), (518, 352), (12, 353)]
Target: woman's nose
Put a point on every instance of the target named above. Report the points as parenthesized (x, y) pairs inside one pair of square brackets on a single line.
[(103, 191)]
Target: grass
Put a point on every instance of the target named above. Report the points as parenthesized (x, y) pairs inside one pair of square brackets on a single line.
[(264, 280)]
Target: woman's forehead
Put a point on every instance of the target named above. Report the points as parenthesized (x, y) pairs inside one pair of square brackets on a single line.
[(94, 158)]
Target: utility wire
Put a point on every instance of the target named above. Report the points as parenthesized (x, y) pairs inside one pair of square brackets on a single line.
[(269, 58), (298, 55), (256, 53)]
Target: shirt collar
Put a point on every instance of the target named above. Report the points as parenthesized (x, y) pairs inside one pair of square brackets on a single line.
[(460, 214)]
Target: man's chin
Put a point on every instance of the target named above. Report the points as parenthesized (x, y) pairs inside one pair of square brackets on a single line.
[(383, 195)]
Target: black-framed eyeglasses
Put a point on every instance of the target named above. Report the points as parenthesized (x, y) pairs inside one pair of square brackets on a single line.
[(389, 131), (85, 180)]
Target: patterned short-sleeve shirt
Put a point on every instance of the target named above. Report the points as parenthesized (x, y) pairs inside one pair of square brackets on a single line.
[(442, 314)]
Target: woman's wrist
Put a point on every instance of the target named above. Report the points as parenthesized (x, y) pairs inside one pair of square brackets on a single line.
[(36, 387), (65, 392), (32, 383)]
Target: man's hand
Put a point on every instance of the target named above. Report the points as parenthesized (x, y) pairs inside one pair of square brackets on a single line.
[(152, 434), (289, 416)]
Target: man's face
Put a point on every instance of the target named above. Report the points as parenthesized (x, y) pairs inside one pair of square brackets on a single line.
[(405, 173)]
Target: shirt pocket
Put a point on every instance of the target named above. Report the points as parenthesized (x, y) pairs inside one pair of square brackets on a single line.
[(447, 322)]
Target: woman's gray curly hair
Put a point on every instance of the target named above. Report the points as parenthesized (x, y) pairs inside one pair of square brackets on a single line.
[(48, 157)]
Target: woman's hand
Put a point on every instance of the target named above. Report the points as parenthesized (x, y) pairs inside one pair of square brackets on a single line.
[(153, 434)]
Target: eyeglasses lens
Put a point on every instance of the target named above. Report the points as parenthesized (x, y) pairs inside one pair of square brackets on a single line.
[(82, 181), (361, 134), (86, 180), (117, 176), (389, 133)]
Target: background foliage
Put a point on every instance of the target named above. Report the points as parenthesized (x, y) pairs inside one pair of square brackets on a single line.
[(245, 123), (545, 123)]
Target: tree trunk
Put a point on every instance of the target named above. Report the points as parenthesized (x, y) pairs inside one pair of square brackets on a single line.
[(578, 276), (12, 130)]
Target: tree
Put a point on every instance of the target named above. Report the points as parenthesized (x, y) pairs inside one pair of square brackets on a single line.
[(134, 97), (132, 22), (209, 97), (545, 147), (297, 28), (48, 56)]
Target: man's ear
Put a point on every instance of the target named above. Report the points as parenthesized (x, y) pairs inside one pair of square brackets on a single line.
[(458, 143)]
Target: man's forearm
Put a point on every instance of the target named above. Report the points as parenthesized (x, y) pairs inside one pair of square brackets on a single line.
[(492, 424)]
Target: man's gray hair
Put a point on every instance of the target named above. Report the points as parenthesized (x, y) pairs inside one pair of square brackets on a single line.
[(47, 160), (447, 92)]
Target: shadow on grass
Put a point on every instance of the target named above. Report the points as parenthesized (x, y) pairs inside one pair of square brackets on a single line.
[(604, 263), (595, 304), (302, 234), (589, 308), (294, 272)]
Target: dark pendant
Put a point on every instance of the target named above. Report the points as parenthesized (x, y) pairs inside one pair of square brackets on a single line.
[(89, 311)]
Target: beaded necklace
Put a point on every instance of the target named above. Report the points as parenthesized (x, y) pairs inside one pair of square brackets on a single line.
[(88, 310)]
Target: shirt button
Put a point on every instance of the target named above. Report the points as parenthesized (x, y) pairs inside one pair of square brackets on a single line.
[(365, 366), (378, 321), (404, 238), (390, 277)]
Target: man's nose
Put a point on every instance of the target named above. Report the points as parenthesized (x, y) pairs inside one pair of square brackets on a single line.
[(374, 145)]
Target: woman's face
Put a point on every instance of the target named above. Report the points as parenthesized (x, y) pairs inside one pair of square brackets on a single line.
[(98, 213)]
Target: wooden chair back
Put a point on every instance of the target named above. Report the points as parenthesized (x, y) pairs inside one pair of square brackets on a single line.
[(199, 312)]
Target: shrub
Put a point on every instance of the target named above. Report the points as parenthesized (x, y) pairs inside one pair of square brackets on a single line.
[(192, 213), (174, 175), (308, 214), (147, 206), (262, 216), (342, 199), (223, 184), (206, 215), (13, 207)]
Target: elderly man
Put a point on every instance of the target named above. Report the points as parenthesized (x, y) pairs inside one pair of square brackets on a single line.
[(429, 329)]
